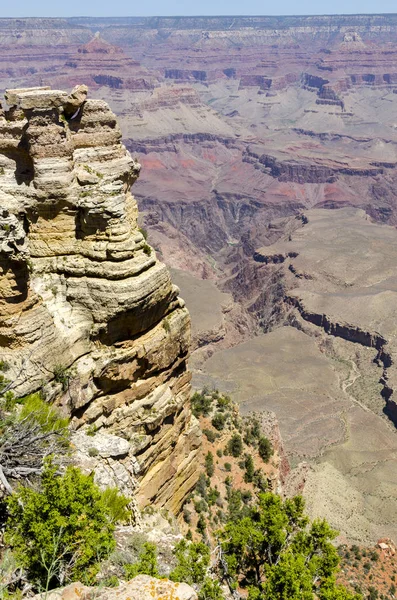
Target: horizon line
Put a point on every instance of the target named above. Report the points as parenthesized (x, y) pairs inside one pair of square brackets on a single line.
[(256, 16)]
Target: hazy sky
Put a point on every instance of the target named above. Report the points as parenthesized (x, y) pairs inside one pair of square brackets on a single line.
[(56, 8)]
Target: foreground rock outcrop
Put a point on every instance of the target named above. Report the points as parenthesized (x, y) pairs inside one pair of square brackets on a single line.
[(86, 311), (142, 587)]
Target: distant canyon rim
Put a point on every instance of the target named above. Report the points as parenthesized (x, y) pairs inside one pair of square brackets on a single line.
[(269, 174)]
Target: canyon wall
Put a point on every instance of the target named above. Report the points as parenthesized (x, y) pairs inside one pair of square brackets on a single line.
[(87, 312)]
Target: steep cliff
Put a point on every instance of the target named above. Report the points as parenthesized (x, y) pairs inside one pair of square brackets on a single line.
[(86, 311)]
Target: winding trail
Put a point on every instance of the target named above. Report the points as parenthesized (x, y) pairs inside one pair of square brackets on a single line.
[(353, 376)]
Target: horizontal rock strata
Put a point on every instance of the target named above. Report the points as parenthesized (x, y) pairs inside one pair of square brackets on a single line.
[(86, 310)]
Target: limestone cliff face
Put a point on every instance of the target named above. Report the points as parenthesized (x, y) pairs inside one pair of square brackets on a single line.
[(86, 310)]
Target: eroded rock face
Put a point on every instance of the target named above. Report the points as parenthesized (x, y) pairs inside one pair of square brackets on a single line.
[(85, 307)]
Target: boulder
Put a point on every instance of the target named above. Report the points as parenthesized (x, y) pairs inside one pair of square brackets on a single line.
[(105, 445), (142, 587)]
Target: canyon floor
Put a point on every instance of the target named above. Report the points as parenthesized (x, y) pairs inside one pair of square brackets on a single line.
[(324, 386)]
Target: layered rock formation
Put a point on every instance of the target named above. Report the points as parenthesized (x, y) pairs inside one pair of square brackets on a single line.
[(86, 310), (280, 114), (106, 65)]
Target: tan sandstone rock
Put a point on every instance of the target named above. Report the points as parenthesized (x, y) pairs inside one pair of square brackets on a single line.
[(81, 291), (142, 587)]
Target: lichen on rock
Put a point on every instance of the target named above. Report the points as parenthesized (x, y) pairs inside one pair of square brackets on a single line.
[(142, 587), (82, 293)]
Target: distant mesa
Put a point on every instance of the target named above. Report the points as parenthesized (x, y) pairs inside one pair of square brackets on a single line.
[(100, 63), (352, 41), (352, 36), (99, 46)]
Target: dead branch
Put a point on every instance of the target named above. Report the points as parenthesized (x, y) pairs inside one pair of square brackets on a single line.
[(24, 446)]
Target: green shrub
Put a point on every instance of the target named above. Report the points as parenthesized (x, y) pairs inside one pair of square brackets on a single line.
[(213, 496), (246, 496), (166, 325), (210, 590), (235, 445), (260, 480), (209, 464), (218, 421), (273, 551), (373, 593), (193, 560), (234, 504), (201, 524), (91, 430), (116, 505), (210, 435), (201, 486), (201, 404), (44, 414), (112, 581), (249, 469), (187, 515), (146, 565), (219, 452), (265, 449), (147, 249), (221, 516), (252, 431), (224, 402), (61, 375), (61, 531), (228, 467), (200, 506)]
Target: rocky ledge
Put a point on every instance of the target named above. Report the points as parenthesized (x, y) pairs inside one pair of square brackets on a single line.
[(87, 312), (142, 587)]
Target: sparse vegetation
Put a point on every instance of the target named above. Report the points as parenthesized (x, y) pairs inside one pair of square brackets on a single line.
[(166, 324), (274, 552), (209, 464), (210, 435), (218, 421), (192, 562), (201, 404), (265, 449), (68, 523), (235, 445), (146, 565), (61, 375), (147, 249), (249, 469), (93, 172), (303, 560)]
